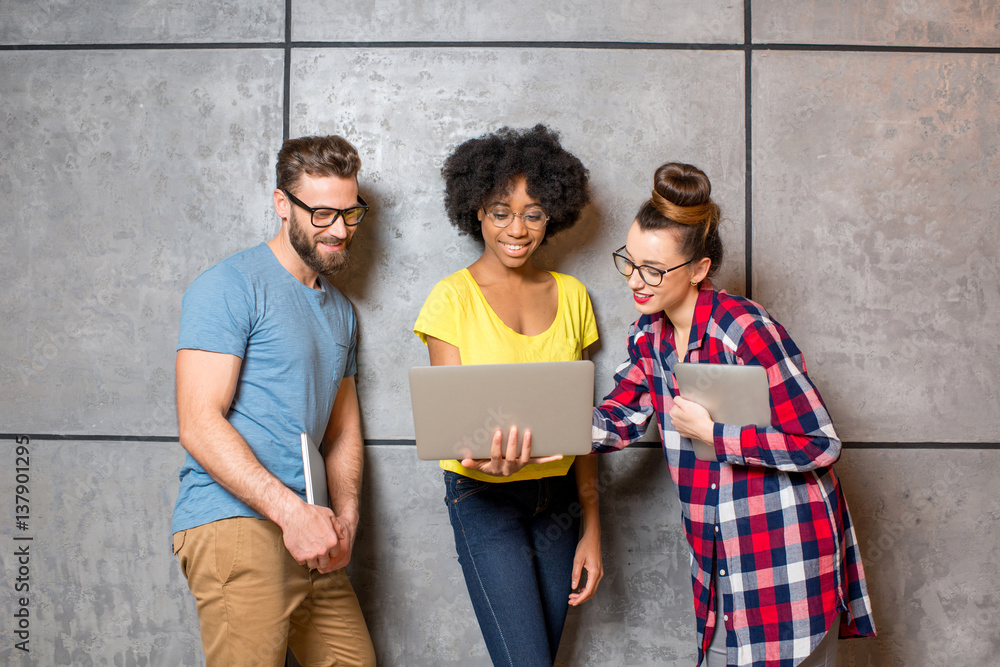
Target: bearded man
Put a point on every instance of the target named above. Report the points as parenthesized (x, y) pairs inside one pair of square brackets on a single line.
[(266, 352)]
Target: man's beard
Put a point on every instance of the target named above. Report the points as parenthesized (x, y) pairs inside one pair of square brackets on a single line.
[(326, 264)]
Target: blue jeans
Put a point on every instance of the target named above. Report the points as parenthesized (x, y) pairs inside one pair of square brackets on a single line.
[(516, 542)]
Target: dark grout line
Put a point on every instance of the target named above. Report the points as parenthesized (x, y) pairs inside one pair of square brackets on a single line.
[(845, 445), (921, 445), (286, 101), (631, 46), (287, 43), (748, 146), (171, 46), (74, 437), (405, 442), (878, 48)]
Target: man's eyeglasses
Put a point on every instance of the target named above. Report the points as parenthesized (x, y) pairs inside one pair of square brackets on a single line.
[(324, 217), (502, 216), (650, 275)]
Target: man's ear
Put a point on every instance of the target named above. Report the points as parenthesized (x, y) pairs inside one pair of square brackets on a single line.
[(281, 204)]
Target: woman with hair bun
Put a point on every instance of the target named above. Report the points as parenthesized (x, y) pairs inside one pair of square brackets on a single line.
[(775, 567), (517, 520)]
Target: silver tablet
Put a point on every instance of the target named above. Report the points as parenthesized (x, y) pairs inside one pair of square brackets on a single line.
[(314, 468), (732, 394), (457, 409)]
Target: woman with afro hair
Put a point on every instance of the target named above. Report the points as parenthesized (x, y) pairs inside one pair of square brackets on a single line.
[(517, 520)]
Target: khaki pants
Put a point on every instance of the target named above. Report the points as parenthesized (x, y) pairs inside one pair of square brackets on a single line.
[(254, 600)]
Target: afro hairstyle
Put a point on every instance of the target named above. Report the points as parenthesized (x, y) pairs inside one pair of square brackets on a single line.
[(485, 168)]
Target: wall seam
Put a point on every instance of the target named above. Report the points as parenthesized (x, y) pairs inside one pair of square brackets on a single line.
[(286, 101), (287, 44), (748, 146), (408, 442)]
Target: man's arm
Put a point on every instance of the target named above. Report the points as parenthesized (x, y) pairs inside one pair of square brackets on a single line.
[(343, 450), (206, 383)]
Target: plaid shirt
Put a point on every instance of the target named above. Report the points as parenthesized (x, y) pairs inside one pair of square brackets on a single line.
[(770, 512)]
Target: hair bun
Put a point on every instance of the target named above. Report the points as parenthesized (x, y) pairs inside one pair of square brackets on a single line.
[(682, 184), (683, 193)]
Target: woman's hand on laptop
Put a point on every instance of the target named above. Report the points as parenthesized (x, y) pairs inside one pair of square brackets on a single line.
[(692, 420), (504, 463)]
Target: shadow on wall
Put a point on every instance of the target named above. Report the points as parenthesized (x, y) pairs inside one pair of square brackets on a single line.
[(368, 256)]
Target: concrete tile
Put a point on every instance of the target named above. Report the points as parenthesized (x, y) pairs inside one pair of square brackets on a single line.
[(928, 538), (104, 587), (948, 23), (643, 613), (100, 560), (876, 191), (405, 569), (125, 175), (622, 112), (715, 21), (412, 591), (140, 22)]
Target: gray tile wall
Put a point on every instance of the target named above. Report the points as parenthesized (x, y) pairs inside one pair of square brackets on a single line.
[(714, 21), (942, 23), (880, 172), (609, 115), (140, 22), (125, 174), (105, 589), (137, 144)]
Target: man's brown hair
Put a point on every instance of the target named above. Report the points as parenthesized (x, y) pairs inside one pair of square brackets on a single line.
[(317, 156)]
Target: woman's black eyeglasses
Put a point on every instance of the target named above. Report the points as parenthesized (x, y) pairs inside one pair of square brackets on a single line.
[(650, 275)]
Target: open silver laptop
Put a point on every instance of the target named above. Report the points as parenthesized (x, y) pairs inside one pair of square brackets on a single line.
[(457, 409), (732, 394), (315, 472)]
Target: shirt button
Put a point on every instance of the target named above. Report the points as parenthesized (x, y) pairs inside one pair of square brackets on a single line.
[(716, 529), (713, 487), (726, 617), (722, 573)]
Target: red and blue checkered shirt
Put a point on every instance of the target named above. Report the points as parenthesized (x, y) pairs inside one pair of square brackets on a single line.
[(770, 512)]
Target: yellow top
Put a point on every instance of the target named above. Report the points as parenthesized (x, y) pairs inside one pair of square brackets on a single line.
[(456, 312)]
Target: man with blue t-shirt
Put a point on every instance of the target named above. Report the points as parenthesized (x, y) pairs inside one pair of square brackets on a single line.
[(267, 352)]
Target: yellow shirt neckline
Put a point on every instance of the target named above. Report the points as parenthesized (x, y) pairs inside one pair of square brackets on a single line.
[(559, 305)]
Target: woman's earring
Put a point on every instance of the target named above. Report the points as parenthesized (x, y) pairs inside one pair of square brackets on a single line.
[(693, 283)]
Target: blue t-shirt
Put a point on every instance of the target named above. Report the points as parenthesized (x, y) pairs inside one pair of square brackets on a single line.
[(296, 343)]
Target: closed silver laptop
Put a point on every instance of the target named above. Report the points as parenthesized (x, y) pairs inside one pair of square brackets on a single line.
[(731, 393), (314, 468)]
